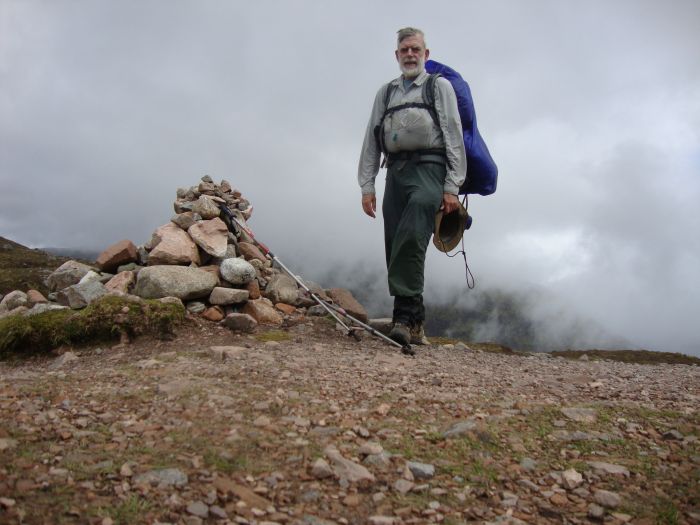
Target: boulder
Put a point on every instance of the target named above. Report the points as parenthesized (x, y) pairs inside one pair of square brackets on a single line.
[(214, 270), (40, 308), (214, 313), (206, 207), (286, 309), (35, 297), (121, 283), (90, 276), (182, 282), (119, 253), (196, 307), (186, 219), (224, 296), (142, 255), (237, 271), (211, 236), (347, 302), (69, 273), (281, 288), (317, 290), (240, 322), (131, 267), (230, 253), (172, 245), (14, 300), (263, 311), (206, 187), (253, 288), (183, 205), (250, 251), (80, 295)]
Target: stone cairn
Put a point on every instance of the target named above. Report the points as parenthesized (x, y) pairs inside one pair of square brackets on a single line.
[(217, 274)]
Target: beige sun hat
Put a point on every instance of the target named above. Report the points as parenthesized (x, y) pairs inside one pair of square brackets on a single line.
[(450, 228)]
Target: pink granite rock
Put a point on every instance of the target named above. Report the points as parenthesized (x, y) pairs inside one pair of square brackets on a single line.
[(211, 236), (122, 252), (172, 245)]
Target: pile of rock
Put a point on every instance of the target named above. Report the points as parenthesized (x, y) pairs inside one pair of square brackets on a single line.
[(217, 273)]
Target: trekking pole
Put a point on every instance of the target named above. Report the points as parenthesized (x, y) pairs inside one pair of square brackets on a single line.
[(367, 327), (268, 253)]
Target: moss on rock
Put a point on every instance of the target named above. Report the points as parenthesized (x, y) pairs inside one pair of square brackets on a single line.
[(105, 319)]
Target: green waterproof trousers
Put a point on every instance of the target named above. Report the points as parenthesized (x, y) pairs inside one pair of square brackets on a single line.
[(412, 198)]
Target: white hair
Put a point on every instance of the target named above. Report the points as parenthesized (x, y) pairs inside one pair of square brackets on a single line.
[(407, 32)]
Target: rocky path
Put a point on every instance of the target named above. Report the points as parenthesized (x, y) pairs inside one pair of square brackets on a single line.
[(306, 427)]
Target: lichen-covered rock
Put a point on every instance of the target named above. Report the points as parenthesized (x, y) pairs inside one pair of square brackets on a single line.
[(281, 288), (82, 294), (183, 282), (41, 308), (240, 322), (224, 296), (186, 219), (206, 207), (69, 273), (237, 271), (14, 300)]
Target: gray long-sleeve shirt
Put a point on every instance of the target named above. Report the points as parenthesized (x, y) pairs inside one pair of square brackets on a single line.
[(414, 129)]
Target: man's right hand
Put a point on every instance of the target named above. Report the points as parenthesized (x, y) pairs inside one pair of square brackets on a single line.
[(369, 204)]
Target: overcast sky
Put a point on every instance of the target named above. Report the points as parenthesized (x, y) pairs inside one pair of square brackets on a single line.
[(591, 111)]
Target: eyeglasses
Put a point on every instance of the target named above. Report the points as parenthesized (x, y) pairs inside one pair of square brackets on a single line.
[(417, 50)]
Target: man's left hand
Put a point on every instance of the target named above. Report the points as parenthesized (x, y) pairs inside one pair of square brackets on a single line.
[(449, 203)]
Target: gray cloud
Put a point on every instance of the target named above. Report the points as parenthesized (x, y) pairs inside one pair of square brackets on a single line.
[(591, 111)]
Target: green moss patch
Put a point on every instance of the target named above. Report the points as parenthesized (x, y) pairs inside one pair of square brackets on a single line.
[(104, 319), (273, 335)]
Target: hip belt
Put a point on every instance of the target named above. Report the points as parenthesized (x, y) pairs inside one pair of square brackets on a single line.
[(423, 156)]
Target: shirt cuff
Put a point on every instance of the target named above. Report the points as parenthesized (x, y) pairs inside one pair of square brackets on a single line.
[(368, 188), (450, 188)]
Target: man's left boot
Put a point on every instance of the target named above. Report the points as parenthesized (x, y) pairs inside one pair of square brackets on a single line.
[(418, 335)]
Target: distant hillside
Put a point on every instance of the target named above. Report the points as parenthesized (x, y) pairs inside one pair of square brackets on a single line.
[(73, 253), (22, 268)]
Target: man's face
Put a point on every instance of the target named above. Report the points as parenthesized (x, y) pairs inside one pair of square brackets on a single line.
[(412, 55)]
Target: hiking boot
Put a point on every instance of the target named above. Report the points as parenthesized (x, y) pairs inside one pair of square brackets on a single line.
[(418, 335), (400, 333)]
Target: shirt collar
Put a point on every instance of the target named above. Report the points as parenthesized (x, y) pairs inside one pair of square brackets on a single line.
[(418, 81)]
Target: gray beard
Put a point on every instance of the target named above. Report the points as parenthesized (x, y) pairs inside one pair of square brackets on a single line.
[(414, 71)]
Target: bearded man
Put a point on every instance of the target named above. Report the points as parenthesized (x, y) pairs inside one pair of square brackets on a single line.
[(426, 164)]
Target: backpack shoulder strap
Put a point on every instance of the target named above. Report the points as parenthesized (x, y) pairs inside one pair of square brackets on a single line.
[(428, 93), (378, 128), (387, 94)]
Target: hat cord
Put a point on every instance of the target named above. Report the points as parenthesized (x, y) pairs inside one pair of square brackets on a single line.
[(471, 282)]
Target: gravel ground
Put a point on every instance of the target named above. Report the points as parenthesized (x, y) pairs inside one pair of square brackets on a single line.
[(306, 426)]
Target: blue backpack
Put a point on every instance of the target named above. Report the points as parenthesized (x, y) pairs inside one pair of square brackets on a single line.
[(482, 173)]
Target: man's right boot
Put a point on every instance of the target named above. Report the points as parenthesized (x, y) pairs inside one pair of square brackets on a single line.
[(400, 333)]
